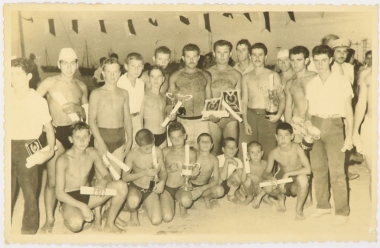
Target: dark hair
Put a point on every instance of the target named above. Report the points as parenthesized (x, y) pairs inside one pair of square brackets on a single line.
[(300, 49), (204, 135), (101, 60), (190, 47), (350, 54), (328, 37), (223, 43), (134, 56), (162, 49), (79, 126), (284, 126), (323, 49), (32, 56), (254, 143), (259, 46), (368, 52), (110, 61), (244, 42), (227, 140), (144, 137), (114, 55), (176, 126), (156, 67), (25, 64)]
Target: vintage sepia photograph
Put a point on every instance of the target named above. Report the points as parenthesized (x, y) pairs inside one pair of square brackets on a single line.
[(106, 142)]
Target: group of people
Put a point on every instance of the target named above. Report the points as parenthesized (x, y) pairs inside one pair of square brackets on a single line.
[(132, 121)]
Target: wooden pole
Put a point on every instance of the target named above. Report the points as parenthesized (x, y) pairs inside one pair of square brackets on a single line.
[(21, 35)]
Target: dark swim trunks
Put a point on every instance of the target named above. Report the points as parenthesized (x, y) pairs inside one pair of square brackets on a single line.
[(288, 186), (62, 134), (172, 191), (159, 139), (225, 187), (144, 192), (113, 137), (79, 197)]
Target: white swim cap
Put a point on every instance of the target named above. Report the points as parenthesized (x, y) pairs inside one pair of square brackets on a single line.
[(283, 53), (67, 53)]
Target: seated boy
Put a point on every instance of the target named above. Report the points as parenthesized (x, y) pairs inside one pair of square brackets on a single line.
[(231, 170), (292, 163), (143, 187), (72, 171), (251, 189), (174, 159), (206, 183)]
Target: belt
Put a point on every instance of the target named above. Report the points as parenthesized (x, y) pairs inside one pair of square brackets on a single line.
[(135, 114), (328, 116), (257, 111)]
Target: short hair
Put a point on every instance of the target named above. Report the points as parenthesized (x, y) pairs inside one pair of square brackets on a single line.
[(144, 137), (227, 140), (300, 49), (32, 56), (162, 49), (244, 42), (156, 67), (79, 126), (110, 61), (223, 43), (25, 64), (101, 60), (190, 47), (254, 143), (259, 45), (114, 55), (368, 52), (284, 126), (134, 56), (204, 135), (323, 49), (329, 37), (350, 54), (176, 126)]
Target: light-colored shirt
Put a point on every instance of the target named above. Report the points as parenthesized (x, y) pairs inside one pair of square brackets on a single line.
[(28, 115), (136, 94), (345, 69), (248, 69), (328, 98), (222, 159)]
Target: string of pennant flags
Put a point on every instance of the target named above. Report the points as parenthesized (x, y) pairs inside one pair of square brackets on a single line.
[(204, 22)]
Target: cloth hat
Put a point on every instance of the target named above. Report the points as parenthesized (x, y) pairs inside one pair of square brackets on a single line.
[(341, 42), (283, 53), (67, 53)]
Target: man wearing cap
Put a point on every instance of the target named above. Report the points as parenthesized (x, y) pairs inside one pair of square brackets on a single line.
[(283, 63), (340, 47), (68, 103)]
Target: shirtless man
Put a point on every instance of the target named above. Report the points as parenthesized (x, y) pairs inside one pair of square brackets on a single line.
[(174, 158), (283, 63), (296, 102), (244, 64), (258, 126), (224, 77), (161, 58), (73, 169), (109, 116), (196, 82), (143, 187), (76, 95)]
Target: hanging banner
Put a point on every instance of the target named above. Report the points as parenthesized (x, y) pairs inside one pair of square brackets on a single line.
[(102, 26), (228, 15), (51, 27), (74, 25), (267, 21), (289, 16), (207, 21), (154, 23), (248, 17), (184, 19), (131, 28)]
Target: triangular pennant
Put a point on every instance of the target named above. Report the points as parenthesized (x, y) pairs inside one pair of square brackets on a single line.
[(291, 16), (184, 19), (74, 25), (267, 21), (154, 23), (131, 28), (207, 21), (228, 15), (102, 26), (248, 16), (51, 27)]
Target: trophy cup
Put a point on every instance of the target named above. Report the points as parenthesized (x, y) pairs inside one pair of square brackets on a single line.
[(187, 170), (271, 96), (177, 99), (311, 133), (155, 165)]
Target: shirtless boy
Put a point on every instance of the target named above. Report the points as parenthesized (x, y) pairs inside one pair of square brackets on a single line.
[(224, 77), (296, 102), (258, 126), (162, 59), (109, 116), (76, 95), (142, 185), (154, 106), (196, 82), (78, 160), (206, 183), (174, 158), (293, 163)]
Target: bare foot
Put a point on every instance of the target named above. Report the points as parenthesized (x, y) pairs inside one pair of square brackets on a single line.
[(233, 199), (256, 203), (47, 227), (120, 222), (268, 200), (97, 225), (207, 204), (113, 229), (183, 212), (300, 216), (281, 205), (308, 203), (105, 214), (214, 203), (132, 223)]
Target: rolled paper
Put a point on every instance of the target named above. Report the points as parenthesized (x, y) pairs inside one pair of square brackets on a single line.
[(39, 157), (174, 110), (245, 157), (271, 84), (187, 155), (62, 100), (280, 181), (123, 166), (114, 173), (232, 112), (84, 190)]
